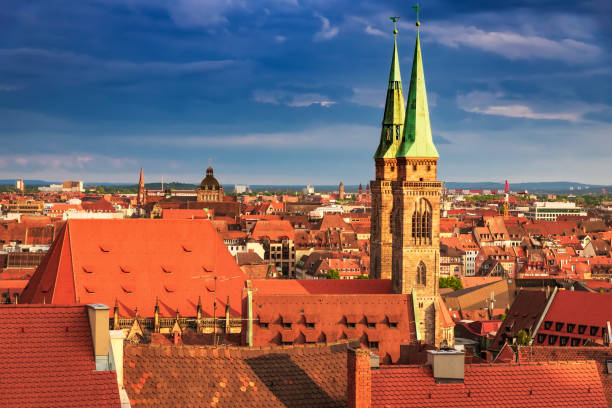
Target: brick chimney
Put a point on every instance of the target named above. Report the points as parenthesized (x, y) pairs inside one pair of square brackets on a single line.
[(359, 378)]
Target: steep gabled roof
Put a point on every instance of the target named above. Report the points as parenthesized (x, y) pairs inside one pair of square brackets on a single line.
[(48, 360), (136, 261)]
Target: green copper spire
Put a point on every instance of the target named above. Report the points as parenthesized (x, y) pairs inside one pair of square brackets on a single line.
[(393, 118), (417, 140)]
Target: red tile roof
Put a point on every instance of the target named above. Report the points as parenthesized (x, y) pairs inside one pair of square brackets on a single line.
[(135, 261), (529, 354), (322, 286), (191, 376), (337, 317), (570, 307), (274, 230), (48, 361), (491, 385)]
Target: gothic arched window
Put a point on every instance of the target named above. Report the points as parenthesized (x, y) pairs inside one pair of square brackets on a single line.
[(421, 222), (421, 274)]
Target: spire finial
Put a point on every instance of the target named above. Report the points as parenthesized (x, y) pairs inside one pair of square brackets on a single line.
[(417, 8), (394, 19)]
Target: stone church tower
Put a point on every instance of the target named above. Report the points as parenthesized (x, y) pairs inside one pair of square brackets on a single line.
[(406, 201), (391, 138)]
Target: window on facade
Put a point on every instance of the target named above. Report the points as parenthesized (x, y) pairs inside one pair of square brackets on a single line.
[(373, 345), (558, 326), (575, 342), (414, 167), (397, 133), (421, 274), (421, 222), (552, 339), (570, 327), (547, 325), (563, 340), (593, 330), (581, 328), (541, 338)]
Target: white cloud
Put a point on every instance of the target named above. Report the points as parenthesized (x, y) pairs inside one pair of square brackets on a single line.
[(314, 138), (512, 45), (280, 39), (488, 103), (327, 32), (375, 31), (293, 99), (204, 13), (374, 98), (63, 162), (9, 88)]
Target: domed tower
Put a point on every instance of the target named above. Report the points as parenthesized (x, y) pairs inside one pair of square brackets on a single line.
[(210, 189)]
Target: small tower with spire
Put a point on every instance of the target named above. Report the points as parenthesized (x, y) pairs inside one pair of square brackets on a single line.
[(341, 191), (391, 137), (142, 192)]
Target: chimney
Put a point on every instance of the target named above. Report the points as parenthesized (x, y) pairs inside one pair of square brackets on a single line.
[(447, 365), (359, 378), (98, 323)]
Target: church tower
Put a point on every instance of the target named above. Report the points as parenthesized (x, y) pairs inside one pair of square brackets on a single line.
[(415, 218), (391, 137), (141, 199)]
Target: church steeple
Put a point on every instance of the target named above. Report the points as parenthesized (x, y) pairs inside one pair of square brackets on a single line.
[(417, 140), (393, 118)]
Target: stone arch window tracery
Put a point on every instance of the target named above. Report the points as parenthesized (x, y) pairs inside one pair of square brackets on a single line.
[(421, 222), (421, 274)]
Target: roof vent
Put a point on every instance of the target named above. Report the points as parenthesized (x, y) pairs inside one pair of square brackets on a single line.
[(88, 269), (447, 365), (166, 269), (124, 269), (187, 248), (127, 289), (105, 248), (89, 290)]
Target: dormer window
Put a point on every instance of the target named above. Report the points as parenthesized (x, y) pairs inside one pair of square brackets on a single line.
[(581, 328), (593, 330), (350, 325), (547, 325), (570, 327), (558, 326), (286, 325)]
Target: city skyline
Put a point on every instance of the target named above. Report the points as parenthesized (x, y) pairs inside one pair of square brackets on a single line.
[(292, 92)]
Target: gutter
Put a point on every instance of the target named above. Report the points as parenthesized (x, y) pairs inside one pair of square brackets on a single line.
[(541, 319)]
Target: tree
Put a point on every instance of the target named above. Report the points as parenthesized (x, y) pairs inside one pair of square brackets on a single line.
[(523, 338), (333, 274), (368, 277), (450, 282)]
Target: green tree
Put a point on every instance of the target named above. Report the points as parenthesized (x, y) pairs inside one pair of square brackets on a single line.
[(523, 338), (333, 274), (363, 277), (450, 282)]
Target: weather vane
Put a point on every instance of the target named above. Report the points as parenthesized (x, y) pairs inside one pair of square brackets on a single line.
[(417, 8), (394, 19)]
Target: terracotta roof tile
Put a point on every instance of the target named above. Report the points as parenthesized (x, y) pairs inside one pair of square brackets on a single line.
[(491, 385), (167, 376), (47, 358)]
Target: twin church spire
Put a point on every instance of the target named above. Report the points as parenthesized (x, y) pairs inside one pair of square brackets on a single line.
[(406, 134)]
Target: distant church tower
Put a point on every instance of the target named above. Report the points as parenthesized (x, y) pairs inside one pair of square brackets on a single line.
[(386, 172), (406, 200), (341, 191), (142, 192)]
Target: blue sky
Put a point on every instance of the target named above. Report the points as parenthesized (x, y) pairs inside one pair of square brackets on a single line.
[(291, 91)]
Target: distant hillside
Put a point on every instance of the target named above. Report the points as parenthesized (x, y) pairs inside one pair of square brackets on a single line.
[(551, 187)]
